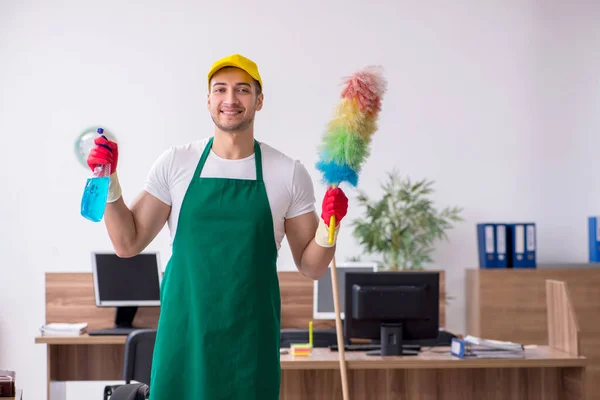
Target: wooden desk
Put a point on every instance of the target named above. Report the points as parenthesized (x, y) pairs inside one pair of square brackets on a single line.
[(544, 373), (83, 358), (510, 304), (70, 298)]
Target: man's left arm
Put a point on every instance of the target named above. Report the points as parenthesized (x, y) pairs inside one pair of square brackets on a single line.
[(308, 235)]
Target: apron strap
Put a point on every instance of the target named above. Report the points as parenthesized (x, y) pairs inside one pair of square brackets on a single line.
[(206, 152), (258, 161), (203, 158)]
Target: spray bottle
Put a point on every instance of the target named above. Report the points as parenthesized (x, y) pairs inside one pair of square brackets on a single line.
[(93, 202)]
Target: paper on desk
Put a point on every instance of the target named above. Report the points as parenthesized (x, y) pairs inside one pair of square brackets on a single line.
[(494, 344), (61, 328), (489, 353)]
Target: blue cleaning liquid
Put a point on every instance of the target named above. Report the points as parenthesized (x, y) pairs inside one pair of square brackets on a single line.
[(93, 201)]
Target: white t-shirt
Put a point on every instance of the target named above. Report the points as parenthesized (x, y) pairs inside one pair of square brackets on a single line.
[(288, 184)]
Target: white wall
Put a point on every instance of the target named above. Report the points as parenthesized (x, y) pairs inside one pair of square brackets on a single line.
[(497, 101)]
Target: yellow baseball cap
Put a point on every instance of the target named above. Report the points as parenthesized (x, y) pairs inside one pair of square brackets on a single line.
[(239, 61)]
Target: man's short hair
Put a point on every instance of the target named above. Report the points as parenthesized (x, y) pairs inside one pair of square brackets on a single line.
[(258, 88)]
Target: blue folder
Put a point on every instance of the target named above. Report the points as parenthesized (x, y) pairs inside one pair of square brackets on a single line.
[(491, 240), (594, 239), (522, 245)]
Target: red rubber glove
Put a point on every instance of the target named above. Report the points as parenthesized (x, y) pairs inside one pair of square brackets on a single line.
[(335, 203), (101, 155)]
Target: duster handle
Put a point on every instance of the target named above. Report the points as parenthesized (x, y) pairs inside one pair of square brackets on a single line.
[(332, 222), (331, 228), (339, 331)]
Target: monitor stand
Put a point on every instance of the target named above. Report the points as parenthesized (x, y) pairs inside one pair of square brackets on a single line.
[(124, 317), (392, 343), (123, 323)]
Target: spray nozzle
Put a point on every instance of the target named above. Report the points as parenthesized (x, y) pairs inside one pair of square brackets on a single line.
[(101, 132)]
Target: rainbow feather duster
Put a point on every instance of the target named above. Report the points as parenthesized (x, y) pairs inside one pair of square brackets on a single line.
[(346, 142)]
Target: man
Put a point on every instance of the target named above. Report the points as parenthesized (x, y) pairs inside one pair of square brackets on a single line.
[(229, 201)]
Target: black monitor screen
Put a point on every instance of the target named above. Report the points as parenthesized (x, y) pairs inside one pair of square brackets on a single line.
[(131, 281), (410, 298)]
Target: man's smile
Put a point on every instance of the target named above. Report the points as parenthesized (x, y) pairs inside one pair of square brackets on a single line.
[(231, 111)]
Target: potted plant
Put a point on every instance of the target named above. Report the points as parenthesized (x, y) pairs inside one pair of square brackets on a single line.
[(404, 225)]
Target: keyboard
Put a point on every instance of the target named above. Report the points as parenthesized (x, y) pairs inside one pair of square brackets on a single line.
[(370, 347), (356, 347), (111, 332)]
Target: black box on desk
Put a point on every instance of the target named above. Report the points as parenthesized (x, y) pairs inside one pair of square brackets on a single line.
[(7, 384)]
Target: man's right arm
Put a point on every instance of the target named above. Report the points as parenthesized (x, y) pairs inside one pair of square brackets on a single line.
[(132, 230)]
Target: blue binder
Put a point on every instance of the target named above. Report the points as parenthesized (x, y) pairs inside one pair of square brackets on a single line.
[(458, 348), (491, 239), (522, 245), (594, 239)]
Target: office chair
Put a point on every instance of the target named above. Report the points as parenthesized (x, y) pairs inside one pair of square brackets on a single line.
[(133, 391), (137, 364)]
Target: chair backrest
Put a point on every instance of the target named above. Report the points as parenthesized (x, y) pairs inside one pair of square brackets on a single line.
[(139, 349)]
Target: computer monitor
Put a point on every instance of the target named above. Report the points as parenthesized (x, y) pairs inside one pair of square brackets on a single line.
[(323, 290), (392, 308), (126, 283)]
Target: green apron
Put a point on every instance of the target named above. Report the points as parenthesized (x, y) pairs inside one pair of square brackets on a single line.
[(219, 328)]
